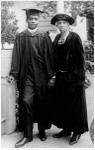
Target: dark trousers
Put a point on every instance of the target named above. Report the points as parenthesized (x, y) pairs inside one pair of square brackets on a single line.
[(28, 101)]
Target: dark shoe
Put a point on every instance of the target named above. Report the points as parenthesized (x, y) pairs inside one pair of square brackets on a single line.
[(22, 142), (42, 136), (74, 139), (63, 133)]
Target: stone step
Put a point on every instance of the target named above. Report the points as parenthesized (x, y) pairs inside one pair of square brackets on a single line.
[(3, 121)]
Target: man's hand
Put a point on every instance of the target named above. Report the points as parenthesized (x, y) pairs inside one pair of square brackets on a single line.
[(10, 79), (51, 82)]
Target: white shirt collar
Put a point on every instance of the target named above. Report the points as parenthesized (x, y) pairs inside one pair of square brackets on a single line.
[(32, 31)]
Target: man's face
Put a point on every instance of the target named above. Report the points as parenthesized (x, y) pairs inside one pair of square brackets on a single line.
[(62, 25), (33, 21)]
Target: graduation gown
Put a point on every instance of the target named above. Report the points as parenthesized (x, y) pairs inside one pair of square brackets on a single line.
[(69, 105), (37, 48)]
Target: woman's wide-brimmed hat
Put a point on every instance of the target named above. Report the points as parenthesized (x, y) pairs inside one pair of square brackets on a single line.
[(60, 16)]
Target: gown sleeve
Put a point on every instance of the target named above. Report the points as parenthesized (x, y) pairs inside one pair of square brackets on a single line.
[(55, 52), (48, 55), (15, 62)]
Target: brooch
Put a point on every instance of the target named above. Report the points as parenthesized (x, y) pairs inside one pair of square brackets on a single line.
[(61, 41)]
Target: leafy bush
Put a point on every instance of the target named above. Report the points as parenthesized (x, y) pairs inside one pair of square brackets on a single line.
[(89, 56)]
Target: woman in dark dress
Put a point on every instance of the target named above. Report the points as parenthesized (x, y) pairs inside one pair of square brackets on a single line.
[(70, 112)]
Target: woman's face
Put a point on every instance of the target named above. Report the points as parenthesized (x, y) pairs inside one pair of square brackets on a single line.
[(62, 25)]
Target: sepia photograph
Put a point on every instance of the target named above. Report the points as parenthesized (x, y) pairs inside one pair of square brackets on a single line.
[(47, 74)]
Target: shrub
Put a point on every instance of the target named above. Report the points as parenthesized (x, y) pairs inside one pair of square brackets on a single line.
[(89, 56)]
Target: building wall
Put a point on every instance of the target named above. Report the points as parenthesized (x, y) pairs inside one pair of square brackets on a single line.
[(8, 97), (81, 28)]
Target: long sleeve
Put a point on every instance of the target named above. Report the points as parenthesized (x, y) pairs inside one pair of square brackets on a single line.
[(15, 63), (79, 57), (55, 53), (48, 55), (79, 52)]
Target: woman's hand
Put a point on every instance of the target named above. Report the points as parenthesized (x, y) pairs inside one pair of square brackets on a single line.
[(10, 79), (51, 82)]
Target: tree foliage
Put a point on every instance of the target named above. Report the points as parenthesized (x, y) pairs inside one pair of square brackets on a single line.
[(86, 9), (82, 8), (8, 23), (49, 7)]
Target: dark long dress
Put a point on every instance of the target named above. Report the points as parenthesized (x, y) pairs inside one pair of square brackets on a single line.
[(69, 105), (32, 52)]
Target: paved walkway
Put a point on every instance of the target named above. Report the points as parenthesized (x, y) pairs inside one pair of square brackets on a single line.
[(8, 141)]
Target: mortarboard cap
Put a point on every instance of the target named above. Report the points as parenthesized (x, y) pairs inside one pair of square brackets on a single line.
[(30, 11), (33, 10)]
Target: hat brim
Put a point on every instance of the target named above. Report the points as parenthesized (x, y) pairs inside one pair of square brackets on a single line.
[(33, 10), (60, 17)]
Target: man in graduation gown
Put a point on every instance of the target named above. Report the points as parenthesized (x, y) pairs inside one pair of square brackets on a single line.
[(32, 67)]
